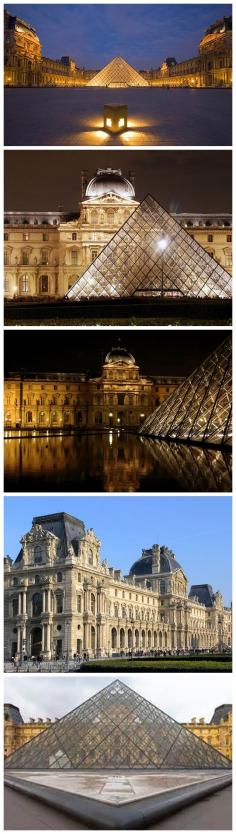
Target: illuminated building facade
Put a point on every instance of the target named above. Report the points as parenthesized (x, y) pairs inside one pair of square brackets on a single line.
[(18, 732), (46, 252), (62, 600), (218, 732), (25, 66), (120, 397)]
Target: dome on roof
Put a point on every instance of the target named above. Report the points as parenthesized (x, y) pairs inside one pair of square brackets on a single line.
[(107, 181), (143, 566), (119, 354)]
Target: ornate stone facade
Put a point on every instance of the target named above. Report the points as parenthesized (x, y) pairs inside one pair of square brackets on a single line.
[(62, 600), (218, 732), (46, 252), (120, 397), (17, 732)]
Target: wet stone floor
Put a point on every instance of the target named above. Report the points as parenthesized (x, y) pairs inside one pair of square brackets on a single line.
[(116, 788)]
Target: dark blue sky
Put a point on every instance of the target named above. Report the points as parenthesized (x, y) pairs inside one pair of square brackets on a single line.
[(143, 34), (197, 529)]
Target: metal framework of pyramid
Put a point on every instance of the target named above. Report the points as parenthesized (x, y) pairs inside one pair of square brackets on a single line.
[(118, 73), (132, 263), (116, 728), (200, 409)]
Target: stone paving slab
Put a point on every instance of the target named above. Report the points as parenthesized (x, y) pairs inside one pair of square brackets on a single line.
[(118, 788)]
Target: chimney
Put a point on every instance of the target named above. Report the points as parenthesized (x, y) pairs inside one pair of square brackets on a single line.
[(84, 183), (131, 177)]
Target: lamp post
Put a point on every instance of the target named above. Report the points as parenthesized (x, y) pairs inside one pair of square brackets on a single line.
[(162, 245)]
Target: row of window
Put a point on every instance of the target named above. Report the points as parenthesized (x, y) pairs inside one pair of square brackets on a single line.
[(26, 236)]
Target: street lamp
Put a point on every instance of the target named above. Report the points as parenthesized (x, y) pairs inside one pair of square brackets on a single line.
[(162, 245)]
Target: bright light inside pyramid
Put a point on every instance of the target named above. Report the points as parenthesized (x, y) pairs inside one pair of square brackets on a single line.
[(163, 243), (115, 117)]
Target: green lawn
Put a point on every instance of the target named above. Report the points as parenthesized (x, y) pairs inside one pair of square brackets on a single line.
[(180, 665)]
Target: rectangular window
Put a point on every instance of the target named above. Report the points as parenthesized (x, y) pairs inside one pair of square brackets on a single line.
[(6, 258), (74, 236), (74, 257), (25, 236), (210, 238), (229, 238), (79, 605), (94, 254), (45, 236), (6, 236), (45, 258)]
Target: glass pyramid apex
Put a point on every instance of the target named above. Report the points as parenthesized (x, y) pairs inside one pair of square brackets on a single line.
[(200, 409), (118, 73), (115, 729), (133, 262)]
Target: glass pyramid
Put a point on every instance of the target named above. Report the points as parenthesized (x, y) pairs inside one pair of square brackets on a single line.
[(132, 263), (200, 409), (118, 73), (116, 728)]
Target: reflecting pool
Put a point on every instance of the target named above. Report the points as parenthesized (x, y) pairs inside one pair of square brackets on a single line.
[(156, 116), (111, 462)]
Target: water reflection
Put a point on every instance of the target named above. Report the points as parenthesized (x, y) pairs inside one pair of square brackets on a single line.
[(111, 462), (54, 116)]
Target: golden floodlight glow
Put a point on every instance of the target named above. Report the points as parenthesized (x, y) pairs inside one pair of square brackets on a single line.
[(115, 117)]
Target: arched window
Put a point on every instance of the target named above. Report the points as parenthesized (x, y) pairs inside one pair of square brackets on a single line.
[(44, 283), (37, 605), (93, 603), (59, 603), (38, 556), (24, 283)]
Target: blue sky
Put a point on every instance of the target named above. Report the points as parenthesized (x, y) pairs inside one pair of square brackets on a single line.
[(144, 34), (197, 529)]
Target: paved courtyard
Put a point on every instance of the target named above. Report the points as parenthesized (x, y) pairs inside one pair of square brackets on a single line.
[(118, 788)]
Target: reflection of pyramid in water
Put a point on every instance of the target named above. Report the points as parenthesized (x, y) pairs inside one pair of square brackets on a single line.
[(132, 263), (116, 728), (118, 73), (200, 410)]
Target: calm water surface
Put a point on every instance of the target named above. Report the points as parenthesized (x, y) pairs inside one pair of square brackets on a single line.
[(111, 462), (155, 116)]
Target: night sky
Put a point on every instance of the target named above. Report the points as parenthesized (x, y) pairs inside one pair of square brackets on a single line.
[(157, 352), (180, 180), (143, 34)]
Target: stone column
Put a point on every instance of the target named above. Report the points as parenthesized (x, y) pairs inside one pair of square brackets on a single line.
[(44, 601), (19, 603), (43, 637), (24, 602), (48, 635), (85, 637), (18, 639)]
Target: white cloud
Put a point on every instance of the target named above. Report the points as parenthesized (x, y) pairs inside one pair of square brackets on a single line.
[(180, 695)]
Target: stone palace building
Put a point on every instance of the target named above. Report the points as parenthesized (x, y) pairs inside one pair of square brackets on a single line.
[(25, 66), (121, 397), (46, 252), (62, 600)]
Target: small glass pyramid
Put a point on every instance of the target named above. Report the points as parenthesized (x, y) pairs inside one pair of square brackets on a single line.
[(118, 73), (133, 262), (116, 729), (200, 409)]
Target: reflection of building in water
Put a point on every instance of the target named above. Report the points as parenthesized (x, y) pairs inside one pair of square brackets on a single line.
[(120, 397), (25, 66), (218, 732), (46, 252), (60, 598), (18, 732)]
